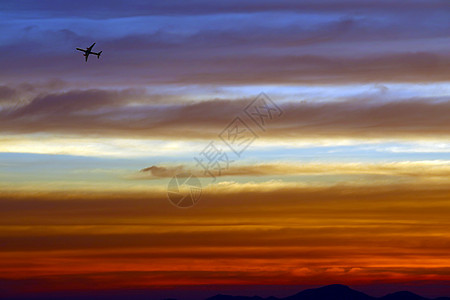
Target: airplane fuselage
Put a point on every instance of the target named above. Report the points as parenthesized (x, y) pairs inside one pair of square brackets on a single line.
[(88, 51)]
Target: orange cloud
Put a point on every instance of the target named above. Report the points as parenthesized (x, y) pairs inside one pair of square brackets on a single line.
[(424, 169), (369, 234)]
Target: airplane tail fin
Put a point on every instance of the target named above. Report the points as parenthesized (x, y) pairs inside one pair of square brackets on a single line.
[(98, 55)]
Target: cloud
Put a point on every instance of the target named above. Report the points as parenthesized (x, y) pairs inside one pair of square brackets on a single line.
[(309, 48), (7, 93), (379, 222), (398, 231), (199, 7), (163, 171), (314, 69), (132, 113), (415, 169)]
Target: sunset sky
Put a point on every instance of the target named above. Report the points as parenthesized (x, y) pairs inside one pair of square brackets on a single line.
[(347, 181)]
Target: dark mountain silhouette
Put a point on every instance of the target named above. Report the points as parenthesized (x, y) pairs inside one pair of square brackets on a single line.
[(228, 297), (332, 292), (329, 292), (403, 295)]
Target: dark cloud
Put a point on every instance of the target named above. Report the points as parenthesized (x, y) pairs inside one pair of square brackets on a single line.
[(75, 101), (193, 64), (312, 69), (304, 49), (132, 113), (7, 94), (107, 9), (163, 171)]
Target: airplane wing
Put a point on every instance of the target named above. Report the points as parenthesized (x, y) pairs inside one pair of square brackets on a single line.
[(79, 49), (90, 48)]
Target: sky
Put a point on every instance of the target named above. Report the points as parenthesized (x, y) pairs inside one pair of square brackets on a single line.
[(328, 122)]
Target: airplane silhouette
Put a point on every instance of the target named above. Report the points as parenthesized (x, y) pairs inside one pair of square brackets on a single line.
[(88, 51)]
